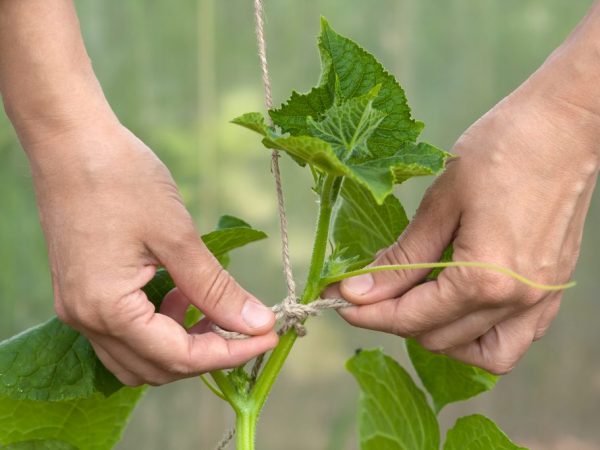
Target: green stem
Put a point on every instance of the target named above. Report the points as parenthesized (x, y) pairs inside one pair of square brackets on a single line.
[(441, 265), (266, 379), (213, 388), (245, 430), (228, 390)]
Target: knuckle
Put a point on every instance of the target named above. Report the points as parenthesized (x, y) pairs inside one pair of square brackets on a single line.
[(62, 313), (500, 367), (114, 316), (129, 380), (540, 332), (406, 323), (495, 288), (530, 296), (179, 241), (434, 344), (220, 285), (158, 380)]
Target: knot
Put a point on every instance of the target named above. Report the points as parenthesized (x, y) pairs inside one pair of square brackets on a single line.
[(292, 315)]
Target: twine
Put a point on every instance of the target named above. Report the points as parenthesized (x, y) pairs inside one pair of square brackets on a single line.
[(292, 315)]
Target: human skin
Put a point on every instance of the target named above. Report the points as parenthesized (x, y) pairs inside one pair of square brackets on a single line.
[(517, 195), (111, 214)]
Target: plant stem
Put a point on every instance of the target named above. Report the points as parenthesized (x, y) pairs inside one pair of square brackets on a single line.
[(227, 389), (266, 379), (245, 429)]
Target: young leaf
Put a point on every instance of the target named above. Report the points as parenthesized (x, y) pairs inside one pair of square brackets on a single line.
[(361, 227), (446, 379), (477, 432), (349, 125), (393, 411), (95, 423)]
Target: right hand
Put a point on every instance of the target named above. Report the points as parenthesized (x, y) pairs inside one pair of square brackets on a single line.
[(112, 214)]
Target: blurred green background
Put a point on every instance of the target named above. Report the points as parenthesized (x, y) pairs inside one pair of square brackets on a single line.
[(177, 72)]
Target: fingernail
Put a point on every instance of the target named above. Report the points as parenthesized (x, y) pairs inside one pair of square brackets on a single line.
[(255, 314), (360, 285)]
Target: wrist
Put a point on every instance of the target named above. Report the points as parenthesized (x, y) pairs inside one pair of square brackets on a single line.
[(46, 113), (567, 85)]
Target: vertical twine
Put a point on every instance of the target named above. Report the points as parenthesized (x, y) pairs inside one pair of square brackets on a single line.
[(262, 55)]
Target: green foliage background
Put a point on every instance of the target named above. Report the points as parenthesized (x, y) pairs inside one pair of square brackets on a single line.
[(176, 73)]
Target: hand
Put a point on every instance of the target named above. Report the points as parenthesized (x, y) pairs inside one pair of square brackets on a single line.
[(111, 214), (516, 195)]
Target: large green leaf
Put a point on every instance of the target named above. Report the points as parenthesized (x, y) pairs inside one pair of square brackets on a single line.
[(95, 423), (446, 379), (361, 227), (52, 362), (393, 412), (477, 432)]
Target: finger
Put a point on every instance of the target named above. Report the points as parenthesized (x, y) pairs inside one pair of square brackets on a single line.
[(175, 305), (146, 372), (166, 345), (464, 330), (424, 240), (205, 283), (425, 307), (499, 350), (548, 315), (125, 376), (203, 326)]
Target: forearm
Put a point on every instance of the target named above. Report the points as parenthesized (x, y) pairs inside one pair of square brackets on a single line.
[(570, 78), (46, 77)]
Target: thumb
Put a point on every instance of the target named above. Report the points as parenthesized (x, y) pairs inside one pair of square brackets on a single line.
[(423, 240), (209, 287)]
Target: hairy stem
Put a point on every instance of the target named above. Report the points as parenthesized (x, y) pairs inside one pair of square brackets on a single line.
[(245, 429), (266, 379)]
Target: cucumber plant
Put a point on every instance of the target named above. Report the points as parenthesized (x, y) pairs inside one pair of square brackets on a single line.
[(355, 133)]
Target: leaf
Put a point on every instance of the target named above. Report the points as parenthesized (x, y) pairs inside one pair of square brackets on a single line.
[(52, 362), (393, 411), (39, 445), (477, 432), (95, 423), (361, 227), (355, 124), (357, 72), (349, 71), (348, 126), (292, 117), (253, 121), (230, 234), (446, 379)]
